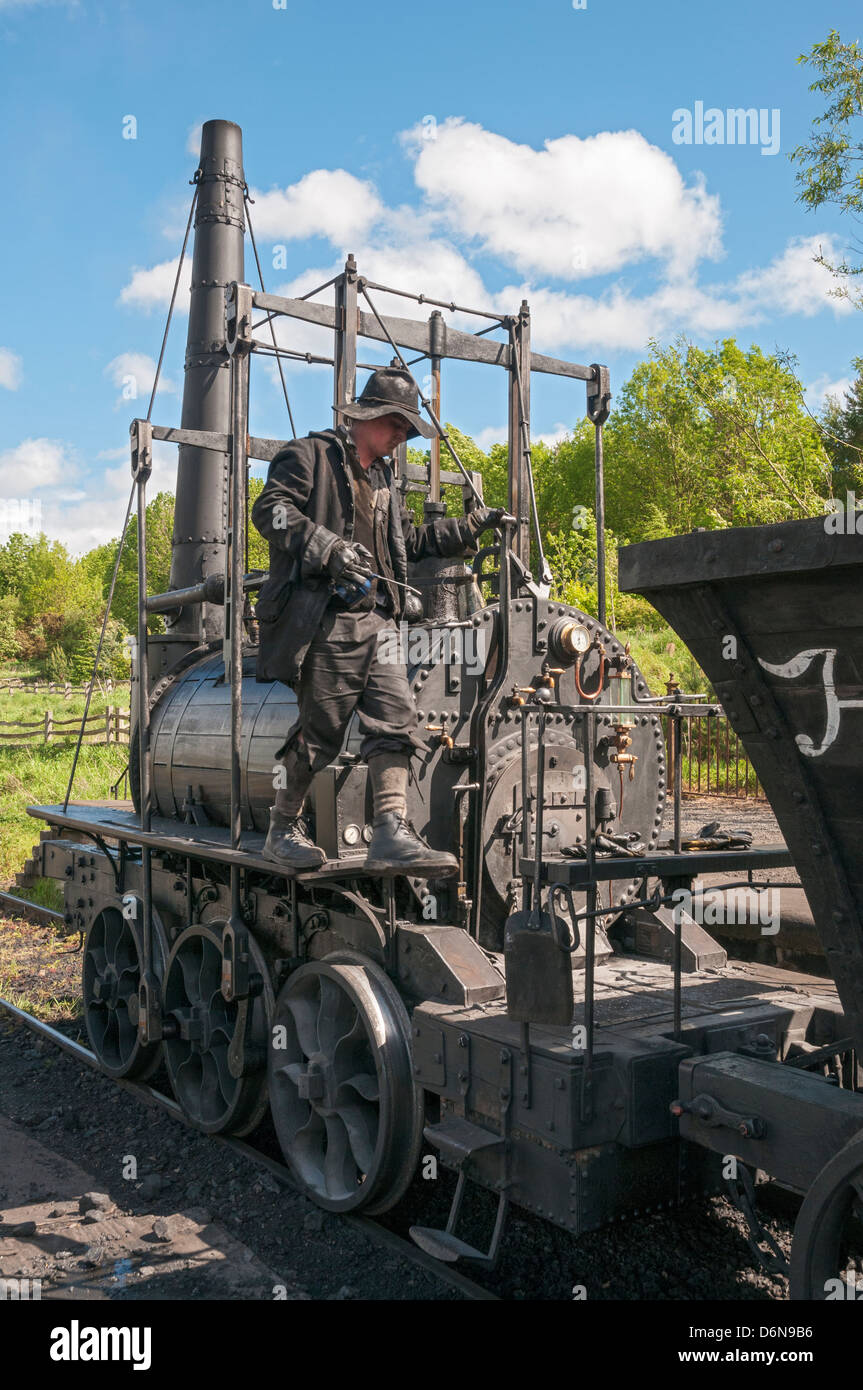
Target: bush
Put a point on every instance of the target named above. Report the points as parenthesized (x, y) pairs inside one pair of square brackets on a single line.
[(8, 627)]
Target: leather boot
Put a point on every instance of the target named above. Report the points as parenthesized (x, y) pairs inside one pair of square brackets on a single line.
[(288, 843), (396, 848)]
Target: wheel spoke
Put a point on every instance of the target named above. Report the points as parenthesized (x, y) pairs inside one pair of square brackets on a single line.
[(361, 1123), (304, 1013), (189, 968), (340, 1172), (210, 974), (365, 1084), (352, 1052), (291, 1071), (99, 956), (227, 1083), (336, 1016)]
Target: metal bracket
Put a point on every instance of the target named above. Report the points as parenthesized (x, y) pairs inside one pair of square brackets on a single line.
[(141, 443), (598, 394), (238, 318)]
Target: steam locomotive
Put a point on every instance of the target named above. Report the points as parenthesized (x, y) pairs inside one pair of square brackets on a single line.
[(542, 1021)]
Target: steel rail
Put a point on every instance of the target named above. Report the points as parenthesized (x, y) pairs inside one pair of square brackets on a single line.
[(47, 914), (150, 1096)]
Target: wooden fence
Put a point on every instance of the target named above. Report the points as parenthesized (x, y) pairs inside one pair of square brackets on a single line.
[(65, 689), (111, 726)]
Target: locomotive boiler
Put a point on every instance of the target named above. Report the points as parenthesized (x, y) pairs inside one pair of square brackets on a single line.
[(535, 1020)]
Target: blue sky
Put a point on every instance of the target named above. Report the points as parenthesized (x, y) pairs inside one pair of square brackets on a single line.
[(553, 172)]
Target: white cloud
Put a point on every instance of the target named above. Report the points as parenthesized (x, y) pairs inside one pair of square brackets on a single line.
[(326, 202), (10, 369), (794, 283), (491, 434), (817, 391), (34, 464), (576, 208), (193, 139), (133, 374), (152, 289)]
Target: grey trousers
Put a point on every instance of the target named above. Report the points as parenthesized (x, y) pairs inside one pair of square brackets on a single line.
[(342, 672)]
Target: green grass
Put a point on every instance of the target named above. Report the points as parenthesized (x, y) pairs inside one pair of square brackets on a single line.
[(658, 652), (36, 773), (38, 776)]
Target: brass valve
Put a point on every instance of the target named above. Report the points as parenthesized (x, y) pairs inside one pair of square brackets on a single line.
[(445, 739), (519, 692), (622, 739), (549, 673)]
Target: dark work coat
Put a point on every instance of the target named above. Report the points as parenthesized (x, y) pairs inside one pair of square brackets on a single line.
[(306, 506)]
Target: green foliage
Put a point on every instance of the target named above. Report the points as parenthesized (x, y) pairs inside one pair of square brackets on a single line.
[(711, 437), (160, 527), (830, 160), (842, 423), (9, 622)]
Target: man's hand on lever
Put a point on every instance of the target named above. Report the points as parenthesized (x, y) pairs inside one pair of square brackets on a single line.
[(351, 569), (484, 519)]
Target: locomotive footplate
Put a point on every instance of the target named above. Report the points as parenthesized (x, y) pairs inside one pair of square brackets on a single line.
[(662, 864), (212, 842)]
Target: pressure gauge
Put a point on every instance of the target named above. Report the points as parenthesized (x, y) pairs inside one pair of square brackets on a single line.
[(578, 638), (351, 834)]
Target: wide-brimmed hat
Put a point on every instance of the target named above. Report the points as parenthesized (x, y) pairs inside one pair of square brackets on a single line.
[(390, 391)]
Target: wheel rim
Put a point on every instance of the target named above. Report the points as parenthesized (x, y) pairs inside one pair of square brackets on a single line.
[(210, 1096), (827, 1249), (111, 975), (344, 1105)]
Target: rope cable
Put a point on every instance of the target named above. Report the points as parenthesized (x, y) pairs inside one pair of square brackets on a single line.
[(271, 324), (122, 540)]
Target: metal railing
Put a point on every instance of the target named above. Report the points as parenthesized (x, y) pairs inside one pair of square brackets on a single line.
[(713, 760)]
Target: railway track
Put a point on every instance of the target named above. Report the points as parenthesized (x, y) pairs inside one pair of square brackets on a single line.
[(16, 906), (150, 1095)]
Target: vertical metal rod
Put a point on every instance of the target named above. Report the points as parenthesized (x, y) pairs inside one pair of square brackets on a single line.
[(675, 739), (677, 913), (589, 735), (519, 423), (600, 524), (525, 799), (144, 715), (539, 817), (590, 921), (589, 963), (345, 353), (239, 433), (436, 330), (480, 722)]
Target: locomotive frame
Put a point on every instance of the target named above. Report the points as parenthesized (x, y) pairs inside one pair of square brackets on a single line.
[(370, 1024)]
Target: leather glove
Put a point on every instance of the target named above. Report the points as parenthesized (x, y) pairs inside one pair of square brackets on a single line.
[(482, 519), (348, 560)]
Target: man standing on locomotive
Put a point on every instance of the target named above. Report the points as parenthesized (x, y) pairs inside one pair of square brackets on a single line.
[(340, 540)]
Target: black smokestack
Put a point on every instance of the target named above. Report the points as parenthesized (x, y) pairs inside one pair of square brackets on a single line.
[(200, 516)]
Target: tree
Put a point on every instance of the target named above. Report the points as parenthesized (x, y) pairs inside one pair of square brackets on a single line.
[(711, 437), (830, 162), (842, 422)]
